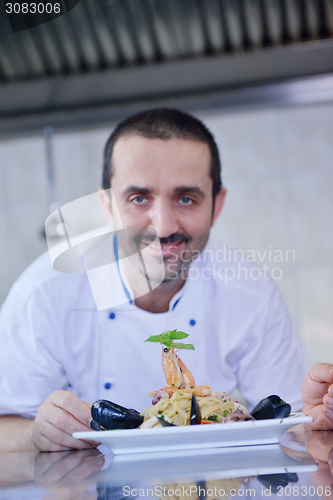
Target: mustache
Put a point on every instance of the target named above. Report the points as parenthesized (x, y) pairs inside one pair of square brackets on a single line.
[(173, 238)]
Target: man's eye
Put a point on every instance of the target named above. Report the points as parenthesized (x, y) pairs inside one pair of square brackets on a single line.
[(139, 200), (185, 200)]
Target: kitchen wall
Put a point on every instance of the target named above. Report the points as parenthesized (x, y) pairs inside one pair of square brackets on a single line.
[(278, 168)]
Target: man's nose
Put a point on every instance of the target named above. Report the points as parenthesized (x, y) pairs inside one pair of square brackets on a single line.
[(164, 220)]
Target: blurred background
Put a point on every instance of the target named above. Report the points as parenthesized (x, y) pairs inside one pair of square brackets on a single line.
[(259, 73)]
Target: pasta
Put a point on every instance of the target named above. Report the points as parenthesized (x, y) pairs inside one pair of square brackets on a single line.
[(177, 408)]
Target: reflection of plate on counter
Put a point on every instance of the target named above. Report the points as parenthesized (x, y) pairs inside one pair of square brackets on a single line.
[(203, 465), (254, 432)]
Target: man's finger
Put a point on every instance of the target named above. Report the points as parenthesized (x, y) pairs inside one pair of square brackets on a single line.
[(65, 421), (328, 414), (73, 405), (58, 437), (68, 424), (328, 401), (44, 444), (322, 372)]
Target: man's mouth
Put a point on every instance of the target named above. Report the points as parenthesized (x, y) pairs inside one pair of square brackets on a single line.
[(164, 249)]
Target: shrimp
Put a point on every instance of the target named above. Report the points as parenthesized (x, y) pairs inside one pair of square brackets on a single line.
[(188, 379), (178, 377), (176, 372), (172, 372)]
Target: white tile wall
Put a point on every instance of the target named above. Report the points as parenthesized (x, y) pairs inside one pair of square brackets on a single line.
[(316, 294), (255, 216), (277, 166), (78, 163), (23, 232), (248, 141), (309, 136), (23, 205), (290, 288), (312, 206), (91, 146), (24, 173)]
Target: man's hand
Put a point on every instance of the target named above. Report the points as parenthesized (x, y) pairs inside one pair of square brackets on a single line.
[(317, 393), (58, 417)]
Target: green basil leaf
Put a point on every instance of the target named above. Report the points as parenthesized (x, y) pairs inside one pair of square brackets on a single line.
[(154, 338), (178, 345), (178, 335), (166, 338)]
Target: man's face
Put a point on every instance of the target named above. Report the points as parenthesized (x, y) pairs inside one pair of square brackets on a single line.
[(166, 185)]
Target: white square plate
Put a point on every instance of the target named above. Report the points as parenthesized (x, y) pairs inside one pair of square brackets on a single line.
[(253, 432)]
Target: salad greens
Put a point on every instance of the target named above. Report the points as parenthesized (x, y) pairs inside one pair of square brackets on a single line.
[(167, 339)]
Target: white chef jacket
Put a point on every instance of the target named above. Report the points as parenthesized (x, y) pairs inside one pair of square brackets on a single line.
[(52, 337)]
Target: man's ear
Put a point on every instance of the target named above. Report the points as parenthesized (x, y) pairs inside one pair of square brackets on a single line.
[(218, 204), (105, 199)]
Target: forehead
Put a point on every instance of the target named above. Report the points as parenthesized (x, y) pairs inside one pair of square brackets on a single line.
[(156, 161)]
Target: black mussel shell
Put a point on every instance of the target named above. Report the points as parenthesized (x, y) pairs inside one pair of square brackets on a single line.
[(135, 411), (94, 425), (275, 400), (112, 416), (271, 407), (195, 411), (282, 411), (165, 423), (263, 410)]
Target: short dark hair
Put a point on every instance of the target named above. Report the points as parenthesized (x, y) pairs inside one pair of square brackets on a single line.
[(163, 123)]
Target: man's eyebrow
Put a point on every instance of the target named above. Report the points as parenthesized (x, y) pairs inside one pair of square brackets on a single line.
[(189, 190), (177, 191), (137, 189)]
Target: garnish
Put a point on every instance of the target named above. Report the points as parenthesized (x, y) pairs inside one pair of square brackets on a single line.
[(225, 413), (213, 418), (167, 339)]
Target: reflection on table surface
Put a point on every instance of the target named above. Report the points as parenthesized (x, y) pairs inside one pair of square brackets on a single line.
[(300, 466)]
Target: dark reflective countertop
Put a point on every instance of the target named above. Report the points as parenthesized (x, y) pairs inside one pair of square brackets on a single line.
[(301, 466)]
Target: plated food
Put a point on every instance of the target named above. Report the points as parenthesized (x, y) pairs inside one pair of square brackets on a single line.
[(181, 401)]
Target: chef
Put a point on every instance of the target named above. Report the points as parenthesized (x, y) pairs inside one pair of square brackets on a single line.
[(63, 347)]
